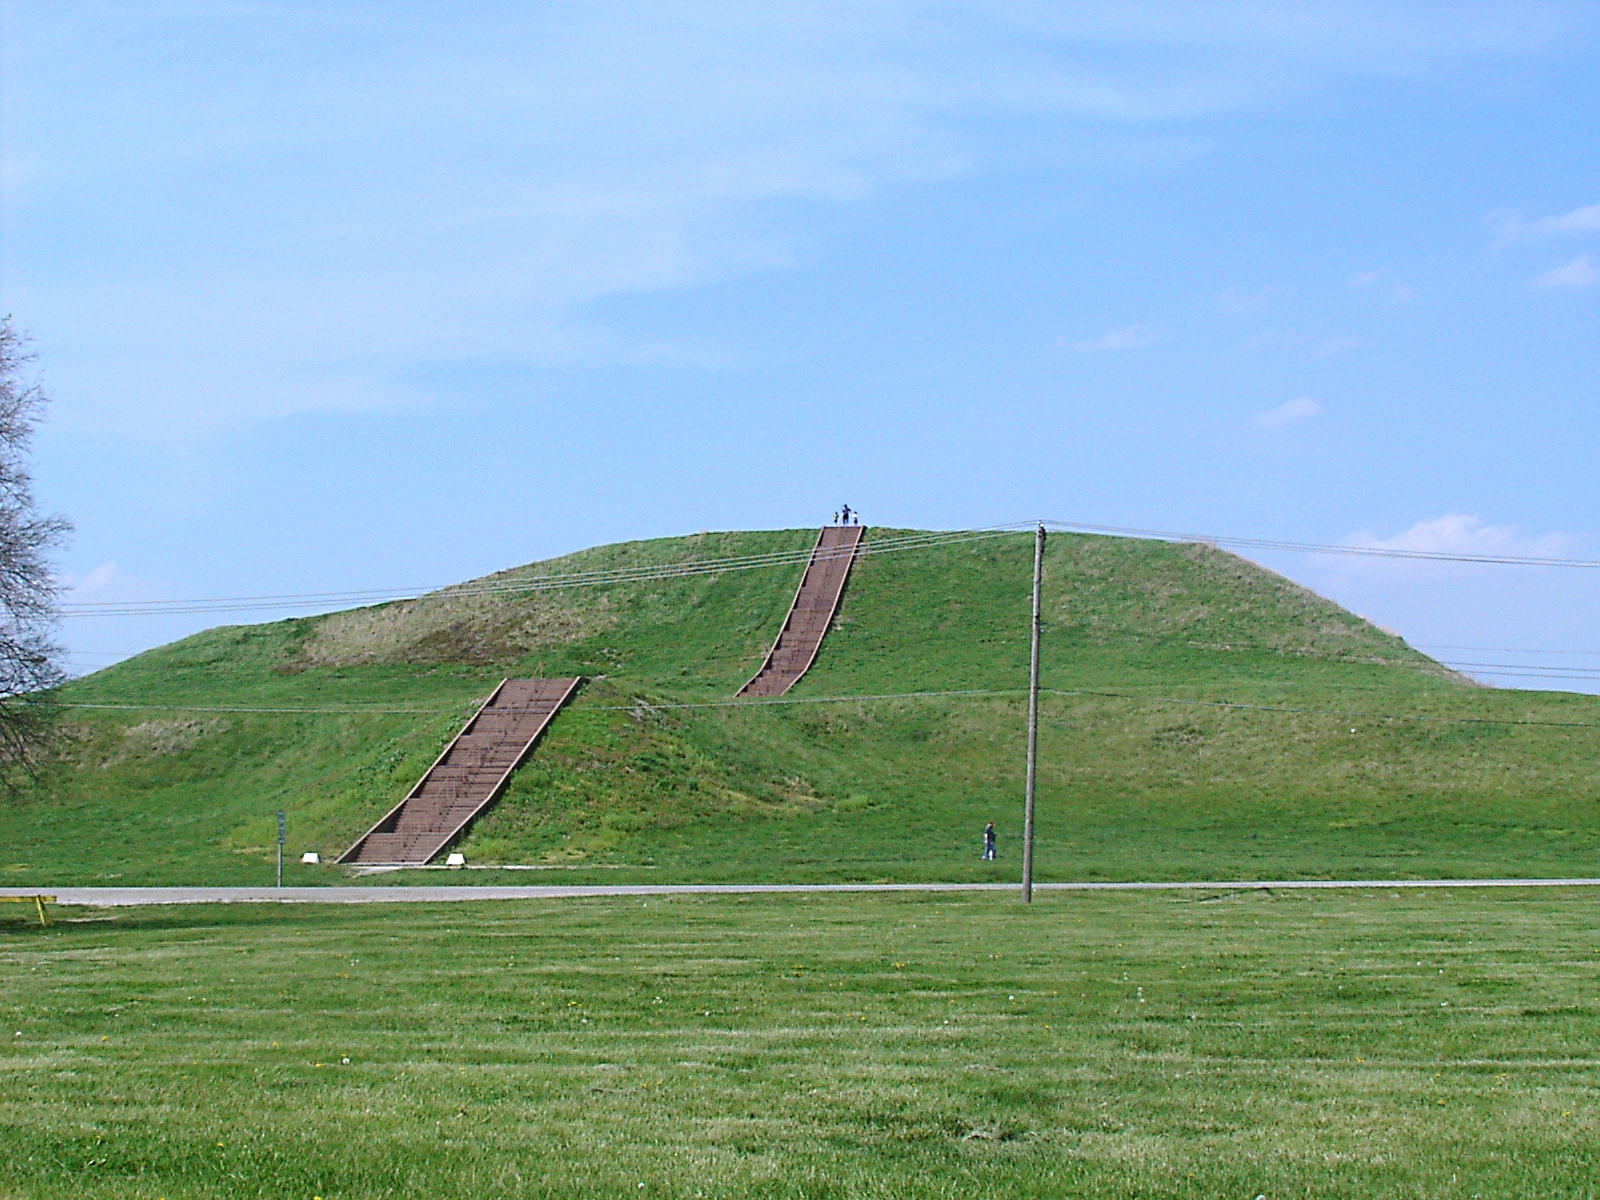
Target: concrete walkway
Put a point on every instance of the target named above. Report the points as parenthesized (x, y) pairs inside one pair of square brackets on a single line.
[(115, 897)]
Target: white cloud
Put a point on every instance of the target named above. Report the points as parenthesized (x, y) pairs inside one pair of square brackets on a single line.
[(98, 582), (1400, 293), (1459, 533), (1130, 337), (1580, 220), (1233, 300), (224, 212), (1301, 408), (1338, 345), (1581, 272)]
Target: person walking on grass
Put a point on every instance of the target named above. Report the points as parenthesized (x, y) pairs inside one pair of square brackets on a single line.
[(988, 842)]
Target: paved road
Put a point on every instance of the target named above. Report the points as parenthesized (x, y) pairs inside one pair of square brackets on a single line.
[(114, 897)]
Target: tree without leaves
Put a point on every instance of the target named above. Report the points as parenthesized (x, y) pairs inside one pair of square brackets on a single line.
[(29, 593)]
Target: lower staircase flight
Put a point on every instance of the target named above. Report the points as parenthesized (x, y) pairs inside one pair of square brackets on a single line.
[(468, 777)]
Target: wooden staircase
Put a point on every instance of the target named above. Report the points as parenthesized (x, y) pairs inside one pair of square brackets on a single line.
[(815, 604), (468, 777)]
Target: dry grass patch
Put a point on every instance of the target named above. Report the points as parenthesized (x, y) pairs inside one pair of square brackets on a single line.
[(478, 630)]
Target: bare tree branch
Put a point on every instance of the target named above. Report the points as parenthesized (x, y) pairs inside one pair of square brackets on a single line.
[(29, 591)]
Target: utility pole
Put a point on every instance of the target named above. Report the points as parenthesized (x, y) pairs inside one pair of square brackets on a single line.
[(282, 829), (1033, 721)]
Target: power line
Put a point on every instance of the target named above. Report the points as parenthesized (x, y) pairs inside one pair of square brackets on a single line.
[(528, 584), (1531, 670), (1327, 712), (1539, 675), (239, 708), (648, 705), (1527, 670), (659, 571), (1503, 649), (1529, 667), (874, 697), (1212, 539)]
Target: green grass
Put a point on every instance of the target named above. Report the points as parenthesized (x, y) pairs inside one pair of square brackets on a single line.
[(1323, 772), (1346, 1044), (1330, 1044)]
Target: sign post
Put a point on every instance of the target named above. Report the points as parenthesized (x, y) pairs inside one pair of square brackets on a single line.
[(282, 829)]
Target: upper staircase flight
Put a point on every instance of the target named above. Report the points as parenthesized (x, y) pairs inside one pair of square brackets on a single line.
[(815, 604)]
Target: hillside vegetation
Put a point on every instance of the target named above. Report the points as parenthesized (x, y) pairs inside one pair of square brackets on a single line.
[(1207, 719)]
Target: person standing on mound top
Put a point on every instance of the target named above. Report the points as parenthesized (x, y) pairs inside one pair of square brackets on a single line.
[(845, 513), (988, 842)]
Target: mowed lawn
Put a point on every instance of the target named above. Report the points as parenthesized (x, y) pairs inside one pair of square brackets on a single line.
[(1374, 1043)]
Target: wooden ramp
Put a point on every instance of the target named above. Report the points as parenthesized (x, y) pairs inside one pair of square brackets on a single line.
[(815, 604), (468, 776)]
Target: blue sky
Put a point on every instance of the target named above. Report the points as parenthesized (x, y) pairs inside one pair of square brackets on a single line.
[(332, 296)]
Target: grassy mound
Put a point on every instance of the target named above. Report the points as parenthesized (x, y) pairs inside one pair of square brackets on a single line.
[(1206, 719)]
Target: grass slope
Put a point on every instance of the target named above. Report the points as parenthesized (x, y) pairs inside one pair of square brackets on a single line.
[(1351, 1044), (1142, 774)]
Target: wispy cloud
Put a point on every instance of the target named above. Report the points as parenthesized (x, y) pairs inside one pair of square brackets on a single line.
[(1459, 533), (1235, 300), (1292, 412), (107, 581), (1400, 293), (1579, 220), (1328, 347), (334, 193), (1581, 272), (1130, 337), (1512, 227)]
